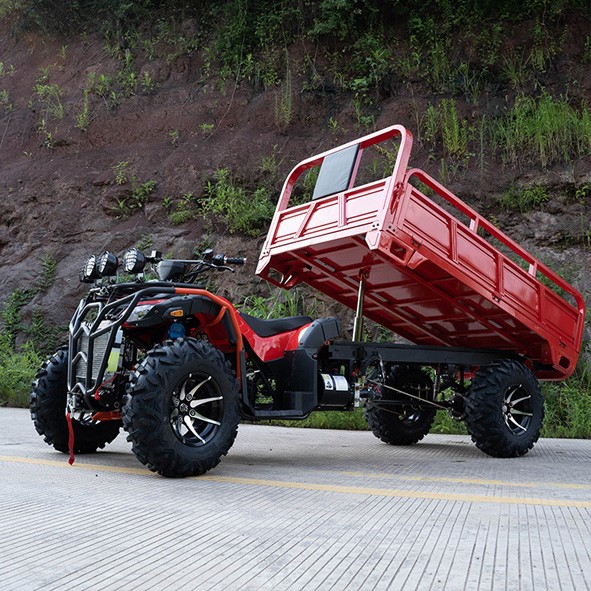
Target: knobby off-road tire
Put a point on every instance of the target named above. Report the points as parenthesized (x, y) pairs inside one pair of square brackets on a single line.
[(181, 410), (504, 409), (401, 425), (47, 404)]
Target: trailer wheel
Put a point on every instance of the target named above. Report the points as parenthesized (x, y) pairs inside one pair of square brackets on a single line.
[(47, 403), (181, 410), (504, 409), (401, 425)]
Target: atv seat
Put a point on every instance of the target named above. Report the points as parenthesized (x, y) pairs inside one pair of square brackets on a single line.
[(269, 328)]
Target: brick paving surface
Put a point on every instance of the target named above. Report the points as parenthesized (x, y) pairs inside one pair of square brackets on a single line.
[(296, 509)]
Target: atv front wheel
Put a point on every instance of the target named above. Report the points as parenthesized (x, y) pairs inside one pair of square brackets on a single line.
[(504, 409), (401, 424), (181, 410), (47, 403)]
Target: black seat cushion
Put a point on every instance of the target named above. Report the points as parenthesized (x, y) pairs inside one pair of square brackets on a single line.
[(269, 328)]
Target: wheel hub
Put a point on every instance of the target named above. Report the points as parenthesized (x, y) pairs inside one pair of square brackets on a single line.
[(196, 410), (516, 409)]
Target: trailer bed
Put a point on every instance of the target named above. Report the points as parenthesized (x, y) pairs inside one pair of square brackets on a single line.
[(435, 273)]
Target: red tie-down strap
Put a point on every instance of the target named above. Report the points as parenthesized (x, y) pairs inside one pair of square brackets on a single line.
[(70, 438)]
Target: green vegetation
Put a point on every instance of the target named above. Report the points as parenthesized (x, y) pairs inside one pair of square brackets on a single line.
[(17, 370), (11, 313), (222, 198), (284, 102), (5, 104), (83, 118), (568, 406), (365, 42), (362, 49), (442, 125), (206, 128), (6, 69), (47, 275), (354, 421), (145, 241), (280, 304), (136, 196), (120, 170), (524, 198), (19, 364), (543, 130), (174, 135), (184, 210), (351, 421), (50, 96), (243, 213)]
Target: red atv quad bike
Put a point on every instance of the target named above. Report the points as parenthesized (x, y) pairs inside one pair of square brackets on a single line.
[(178, 366)]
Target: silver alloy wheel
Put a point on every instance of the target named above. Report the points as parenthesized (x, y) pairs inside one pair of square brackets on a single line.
[(197, 410), (517, 410)]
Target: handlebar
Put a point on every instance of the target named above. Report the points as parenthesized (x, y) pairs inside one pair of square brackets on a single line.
[(191, 269), (209, 259), (235, 260)]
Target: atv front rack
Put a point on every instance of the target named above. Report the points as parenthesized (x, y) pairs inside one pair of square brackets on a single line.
[(407, 253), (92, 336)]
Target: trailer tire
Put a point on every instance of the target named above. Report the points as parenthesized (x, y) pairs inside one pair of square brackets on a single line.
[(504, 409), (181, 410), (47, 403), (413, 423)]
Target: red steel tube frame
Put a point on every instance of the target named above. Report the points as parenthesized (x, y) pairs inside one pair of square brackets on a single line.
[(364, 142)]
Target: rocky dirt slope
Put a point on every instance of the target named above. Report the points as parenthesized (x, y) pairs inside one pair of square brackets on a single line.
[(60, 148)]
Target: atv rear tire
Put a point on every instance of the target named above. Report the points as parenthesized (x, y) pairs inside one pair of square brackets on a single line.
[(181, 410), (401, 425), (47, 404), (504, 409)]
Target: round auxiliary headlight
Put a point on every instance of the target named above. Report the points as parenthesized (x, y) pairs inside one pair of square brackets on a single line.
[(107, 264), (89, 271), (134, 261)]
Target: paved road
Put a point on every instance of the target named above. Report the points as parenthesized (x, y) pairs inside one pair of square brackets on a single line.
[(296, 509)]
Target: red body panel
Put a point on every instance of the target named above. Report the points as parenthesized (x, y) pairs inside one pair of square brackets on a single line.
[(271, 348), (266, 348), (436, 275)]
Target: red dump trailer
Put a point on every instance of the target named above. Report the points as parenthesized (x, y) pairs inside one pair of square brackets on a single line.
[(485, 318)]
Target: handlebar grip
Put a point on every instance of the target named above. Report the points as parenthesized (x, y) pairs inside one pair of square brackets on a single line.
[(235, 260)]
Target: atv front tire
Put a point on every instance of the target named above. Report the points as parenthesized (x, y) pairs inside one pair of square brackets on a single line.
[(47, 403), (401, 424), (504, 409), (181, 410)]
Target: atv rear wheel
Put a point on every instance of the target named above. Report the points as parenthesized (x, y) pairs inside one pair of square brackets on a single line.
[(181, 410), (47, 403), (504, 409), (401, 424)]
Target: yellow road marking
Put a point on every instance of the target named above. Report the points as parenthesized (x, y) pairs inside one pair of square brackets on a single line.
[(81, 466), (409, 494), (482, 481), (333, 488)]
